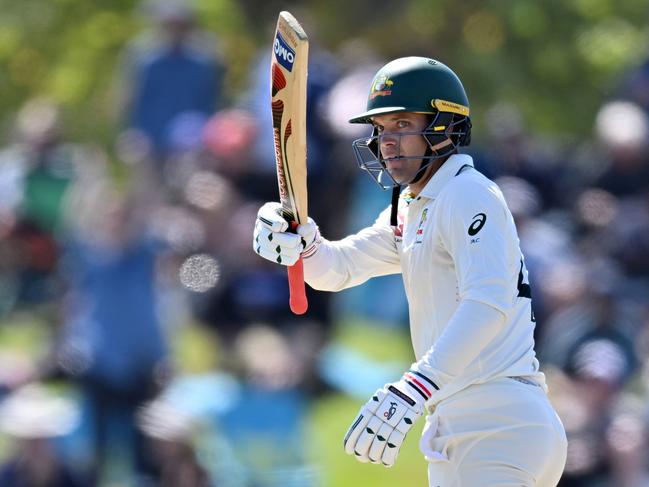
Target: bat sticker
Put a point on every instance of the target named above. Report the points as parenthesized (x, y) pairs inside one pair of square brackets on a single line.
[(279, 81), (283, 53)]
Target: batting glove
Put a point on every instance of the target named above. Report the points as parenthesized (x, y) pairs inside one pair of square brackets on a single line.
[(273, 241), (382, 424)]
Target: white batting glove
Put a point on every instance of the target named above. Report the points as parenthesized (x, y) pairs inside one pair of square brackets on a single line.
[(382, 424), (273, 241)]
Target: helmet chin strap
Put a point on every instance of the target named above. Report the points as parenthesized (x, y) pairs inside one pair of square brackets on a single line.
[(396, 191), (426, 160)]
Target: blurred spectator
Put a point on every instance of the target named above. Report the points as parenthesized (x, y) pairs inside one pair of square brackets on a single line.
[(626, 237), (35, 418), (112, 342), (635, 85), (599, 365), (36, 174), (251, 292), (169, 441), (592, 343), (622, 131), (511, 151), (174, 77), (271, 408)]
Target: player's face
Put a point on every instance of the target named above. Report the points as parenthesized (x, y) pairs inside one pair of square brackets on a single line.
[(395, 143)]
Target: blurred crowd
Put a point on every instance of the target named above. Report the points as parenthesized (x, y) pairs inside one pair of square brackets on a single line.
[(120, 250)]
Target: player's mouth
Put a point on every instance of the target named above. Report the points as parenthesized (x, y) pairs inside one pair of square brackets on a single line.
[(393, 161)]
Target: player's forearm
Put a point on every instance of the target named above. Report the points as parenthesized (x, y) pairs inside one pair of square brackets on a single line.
[(349, 262), (321, 269), (471, 328), (329, 269)]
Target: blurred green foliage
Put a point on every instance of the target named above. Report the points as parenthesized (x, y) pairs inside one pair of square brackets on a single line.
[(386, 343), (556, 59), (70, 50), (330, 418), (332, 414)]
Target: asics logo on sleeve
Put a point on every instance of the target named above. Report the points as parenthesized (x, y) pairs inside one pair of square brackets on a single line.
[(478, 222)]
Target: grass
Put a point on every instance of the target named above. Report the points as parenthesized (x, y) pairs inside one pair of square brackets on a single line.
[(330, 418), (376, 341), (332, 415)]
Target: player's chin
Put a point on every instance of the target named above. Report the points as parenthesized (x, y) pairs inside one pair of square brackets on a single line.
[(399, 175), (395, 166)]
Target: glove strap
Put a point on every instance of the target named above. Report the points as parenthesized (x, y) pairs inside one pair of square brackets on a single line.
[(313, 246), (421, 384)]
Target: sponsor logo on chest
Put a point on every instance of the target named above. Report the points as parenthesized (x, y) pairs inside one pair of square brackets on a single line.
[(419, 234)]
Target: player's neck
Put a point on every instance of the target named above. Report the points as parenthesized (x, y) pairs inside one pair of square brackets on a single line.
[(433, 167)]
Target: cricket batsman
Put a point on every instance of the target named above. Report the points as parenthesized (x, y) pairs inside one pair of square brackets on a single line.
[(451, 236)]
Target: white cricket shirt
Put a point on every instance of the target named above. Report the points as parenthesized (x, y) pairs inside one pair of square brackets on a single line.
[(456, 240)]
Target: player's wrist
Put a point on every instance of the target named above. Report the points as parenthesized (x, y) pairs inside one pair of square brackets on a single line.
[(417, 385), (311, 237)]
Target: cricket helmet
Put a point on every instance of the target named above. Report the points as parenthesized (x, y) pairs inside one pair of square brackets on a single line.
[(418, 85)]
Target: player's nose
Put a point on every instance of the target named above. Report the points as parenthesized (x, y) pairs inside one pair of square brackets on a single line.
[(388, 140)]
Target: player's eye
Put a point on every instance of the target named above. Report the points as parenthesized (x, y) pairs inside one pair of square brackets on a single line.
[(402, 124), (379, 128)]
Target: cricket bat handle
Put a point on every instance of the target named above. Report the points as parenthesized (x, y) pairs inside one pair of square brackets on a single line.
[(297, 292), (297, 299)]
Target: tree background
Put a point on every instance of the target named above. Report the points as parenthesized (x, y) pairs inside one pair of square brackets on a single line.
[(557, 60)]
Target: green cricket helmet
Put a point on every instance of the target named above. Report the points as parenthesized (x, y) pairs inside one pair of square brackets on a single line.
[(418, 85)]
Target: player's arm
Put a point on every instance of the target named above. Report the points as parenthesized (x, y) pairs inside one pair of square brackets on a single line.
[(381, 426), (328, 266), (478, 234), (355, 259)]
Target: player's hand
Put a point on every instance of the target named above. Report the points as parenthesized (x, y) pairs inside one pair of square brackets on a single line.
[(273, 241), (377, 433)]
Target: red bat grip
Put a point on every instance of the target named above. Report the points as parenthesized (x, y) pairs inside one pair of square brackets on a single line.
[(297, 292), (297, 298)]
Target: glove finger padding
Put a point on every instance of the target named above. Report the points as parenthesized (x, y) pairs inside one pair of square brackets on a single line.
[(365, 439), (263, 236), (282, 248), (354, 431), (392, 447), (379, 443), (270, 215), (381, 426), (284, 258), (271, 241)]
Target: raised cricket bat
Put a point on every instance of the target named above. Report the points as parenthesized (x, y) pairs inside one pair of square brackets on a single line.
[(288, 97)]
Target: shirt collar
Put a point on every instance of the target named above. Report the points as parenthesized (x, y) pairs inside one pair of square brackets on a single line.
[(444, 174)]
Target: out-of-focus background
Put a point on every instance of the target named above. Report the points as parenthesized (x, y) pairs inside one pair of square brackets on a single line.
[(142, 342)]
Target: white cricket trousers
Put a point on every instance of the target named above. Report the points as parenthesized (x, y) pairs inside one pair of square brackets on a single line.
[(497, 434)]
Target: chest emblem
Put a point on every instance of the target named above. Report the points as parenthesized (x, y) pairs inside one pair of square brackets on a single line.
[(419, 235)]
